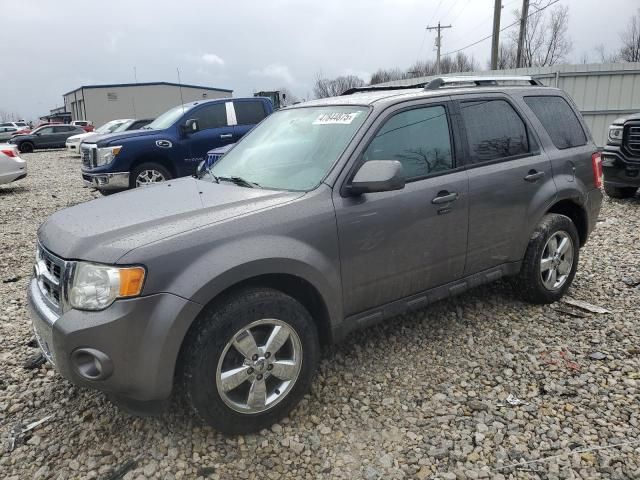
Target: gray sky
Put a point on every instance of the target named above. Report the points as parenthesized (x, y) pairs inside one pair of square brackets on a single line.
[(50, 47)]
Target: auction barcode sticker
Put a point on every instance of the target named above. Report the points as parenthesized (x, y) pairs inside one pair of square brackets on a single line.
[(336, 118)]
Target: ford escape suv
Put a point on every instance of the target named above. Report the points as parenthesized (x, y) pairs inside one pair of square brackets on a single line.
[(329, 216)]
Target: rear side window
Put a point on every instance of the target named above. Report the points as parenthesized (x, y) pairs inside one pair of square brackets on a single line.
[(417, 138), (212, 116), (494, 130), (249, 113), (559, 120)]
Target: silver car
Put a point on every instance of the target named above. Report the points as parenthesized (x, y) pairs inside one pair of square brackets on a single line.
[(12, 167), (7, 132)]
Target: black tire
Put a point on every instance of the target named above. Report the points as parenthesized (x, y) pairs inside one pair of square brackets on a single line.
[(148, 166), (619, 192), (530, 282), (25, 147), (206, 342), (106, 193)]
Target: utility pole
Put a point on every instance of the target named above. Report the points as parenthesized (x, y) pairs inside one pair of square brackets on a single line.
[(523, 30), (496, 35), (439, 28)]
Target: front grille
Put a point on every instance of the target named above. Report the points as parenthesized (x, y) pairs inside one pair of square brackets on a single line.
[(213, 158), (633, 138), (49, 272)]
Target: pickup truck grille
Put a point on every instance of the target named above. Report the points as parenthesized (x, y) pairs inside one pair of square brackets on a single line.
[(49, 272), (88, 156), (633, 138)]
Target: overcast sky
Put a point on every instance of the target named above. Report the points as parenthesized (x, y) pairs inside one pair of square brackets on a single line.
[(51, 47)]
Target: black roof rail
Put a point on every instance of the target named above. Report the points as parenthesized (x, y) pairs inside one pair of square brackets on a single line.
[(480, 81), (382, 88)]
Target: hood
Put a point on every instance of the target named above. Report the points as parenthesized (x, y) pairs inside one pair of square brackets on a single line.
[(621, 120), (110, 138), (80, 136), (105, 229)]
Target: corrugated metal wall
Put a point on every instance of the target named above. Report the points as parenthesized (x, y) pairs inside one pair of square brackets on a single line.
[(602, 91)]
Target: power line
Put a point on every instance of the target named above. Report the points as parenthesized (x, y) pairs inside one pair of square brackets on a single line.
[(434, 13), (461, 11), (501, 30), (486, 19)]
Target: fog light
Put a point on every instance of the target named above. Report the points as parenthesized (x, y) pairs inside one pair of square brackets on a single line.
[(102, 180), (92, 364)]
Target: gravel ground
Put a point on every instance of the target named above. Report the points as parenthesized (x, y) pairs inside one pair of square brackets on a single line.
[(422, 396)]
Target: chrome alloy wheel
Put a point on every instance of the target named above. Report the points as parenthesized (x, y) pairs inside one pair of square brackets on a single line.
[(259, 366), (147, 177), (557, 260)]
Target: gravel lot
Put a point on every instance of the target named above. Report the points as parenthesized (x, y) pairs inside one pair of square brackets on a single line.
[(422, 396)]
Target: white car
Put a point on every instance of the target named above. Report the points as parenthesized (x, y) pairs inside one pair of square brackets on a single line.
[(12, 167), (19, 125), (74, 141)]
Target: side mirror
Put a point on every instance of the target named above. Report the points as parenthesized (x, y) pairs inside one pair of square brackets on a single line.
[(191, 126), (378, 176), (202, 169)]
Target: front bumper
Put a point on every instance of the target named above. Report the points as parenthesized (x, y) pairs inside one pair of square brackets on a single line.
[(73, 148), (140, 337), (619, 168), (106, 181)]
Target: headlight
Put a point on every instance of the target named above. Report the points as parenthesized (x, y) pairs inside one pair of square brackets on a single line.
[(106, 155), (95, 287), (615, 134)]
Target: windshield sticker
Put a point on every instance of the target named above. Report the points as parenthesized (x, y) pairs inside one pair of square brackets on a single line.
[(337, 118)]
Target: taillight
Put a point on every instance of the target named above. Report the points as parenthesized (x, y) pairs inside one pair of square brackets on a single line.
[(596, 164), (9, 152)]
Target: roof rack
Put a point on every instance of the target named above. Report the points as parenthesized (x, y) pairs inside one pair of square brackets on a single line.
[(480, 81), (382, 88)]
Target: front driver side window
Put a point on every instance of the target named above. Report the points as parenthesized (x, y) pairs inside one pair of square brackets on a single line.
[(211, 116), (417, 138)]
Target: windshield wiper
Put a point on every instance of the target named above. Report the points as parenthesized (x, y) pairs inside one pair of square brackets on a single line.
[(238, 181)]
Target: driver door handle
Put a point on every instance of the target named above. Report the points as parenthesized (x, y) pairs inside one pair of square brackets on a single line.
[(226, 135), (445, 197), (533, 176)]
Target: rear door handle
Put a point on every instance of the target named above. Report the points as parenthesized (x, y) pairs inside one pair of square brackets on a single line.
[(445, 197), (533, 176), (226, 135)]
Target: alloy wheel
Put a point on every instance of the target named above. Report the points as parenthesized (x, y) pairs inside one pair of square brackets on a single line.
[(557, 260), (147, 177), (259, 366)]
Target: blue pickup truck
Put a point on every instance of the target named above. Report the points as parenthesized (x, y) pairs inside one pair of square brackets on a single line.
[(171, 146)]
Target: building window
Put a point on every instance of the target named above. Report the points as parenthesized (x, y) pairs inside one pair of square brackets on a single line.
[(112, 96)]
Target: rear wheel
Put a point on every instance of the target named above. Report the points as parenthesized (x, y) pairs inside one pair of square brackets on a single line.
[(551, 260), (619, 192), (25, 147), (249, 360), (147, 174)]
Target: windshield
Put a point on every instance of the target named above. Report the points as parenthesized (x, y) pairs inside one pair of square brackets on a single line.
[(123, 126), (292, 149), (109, 127), (168, 118)]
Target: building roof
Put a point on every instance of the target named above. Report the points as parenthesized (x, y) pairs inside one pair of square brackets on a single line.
[(145, 84)]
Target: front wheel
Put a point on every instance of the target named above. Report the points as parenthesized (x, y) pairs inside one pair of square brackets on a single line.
[(147, 174), (551, 260), (26, 147), (249, 360)]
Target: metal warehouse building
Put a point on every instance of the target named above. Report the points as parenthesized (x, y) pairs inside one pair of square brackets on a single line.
[(102, 103)]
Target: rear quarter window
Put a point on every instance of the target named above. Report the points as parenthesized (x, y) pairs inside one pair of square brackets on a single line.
[(559, 120), (249, 113)]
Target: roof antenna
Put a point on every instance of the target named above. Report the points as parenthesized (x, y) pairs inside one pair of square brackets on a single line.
[(180, 87)]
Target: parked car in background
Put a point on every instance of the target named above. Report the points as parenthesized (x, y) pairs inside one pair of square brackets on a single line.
[(171, 146), (328, 217), (621, 157), (49, 136), (7, 132), (20, 126), (122, 125), (12, 167), (86, 125)]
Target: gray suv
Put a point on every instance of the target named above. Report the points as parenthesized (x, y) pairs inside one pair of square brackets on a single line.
[(327, 217)]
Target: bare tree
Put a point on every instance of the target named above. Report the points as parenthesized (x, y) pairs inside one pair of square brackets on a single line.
[(332, 87), (9, 116), (604, 57), (546, 39), (382, 75), (506, 56), (630, 51)]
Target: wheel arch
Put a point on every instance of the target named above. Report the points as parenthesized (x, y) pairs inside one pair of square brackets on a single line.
[(577, 213), (159, 159)]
